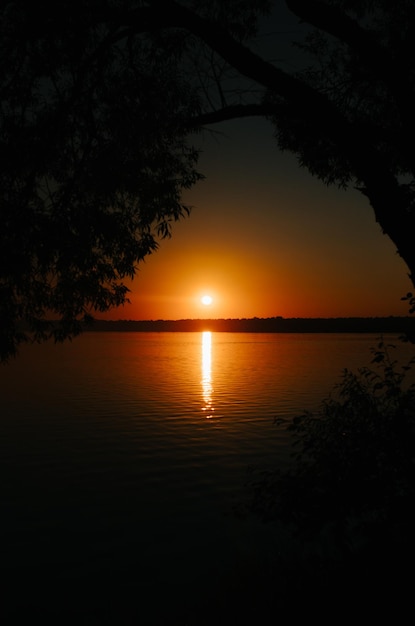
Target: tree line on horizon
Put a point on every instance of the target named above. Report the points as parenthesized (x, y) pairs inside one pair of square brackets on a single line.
[(378, 325)]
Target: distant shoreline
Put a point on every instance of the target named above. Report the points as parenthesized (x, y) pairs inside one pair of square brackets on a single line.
[(379, 325)]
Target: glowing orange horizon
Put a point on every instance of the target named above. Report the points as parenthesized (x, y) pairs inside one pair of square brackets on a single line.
[(266, 242)]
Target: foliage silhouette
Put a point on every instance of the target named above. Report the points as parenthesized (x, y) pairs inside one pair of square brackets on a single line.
[(94, 160), (99, 99), (351, 483)]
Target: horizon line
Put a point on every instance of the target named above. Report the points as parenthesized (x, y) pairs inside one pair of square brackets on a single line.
[(255, 318)]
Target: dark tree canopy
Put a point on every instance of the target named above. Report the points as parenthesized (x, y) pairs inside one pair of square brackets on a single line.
[(99, 100), (94, 159)]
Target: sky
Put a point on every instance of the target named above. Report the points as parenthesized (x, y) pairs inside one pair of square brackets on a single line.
[(265, 238)]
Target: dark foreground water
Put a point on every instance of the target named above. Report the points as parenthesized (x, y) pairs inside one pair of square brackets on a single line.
[(122, 457)]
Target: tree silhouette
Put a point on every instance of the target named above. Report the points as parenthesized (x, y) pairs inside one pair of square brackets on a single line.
[(94, 159), (100, 97)]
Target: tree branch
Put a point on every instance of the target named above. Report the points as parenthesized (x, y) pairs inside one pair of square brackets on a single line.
[(311, 106), (232, 112), (335, 22), (235, 53), (299, 96), (393, 72)]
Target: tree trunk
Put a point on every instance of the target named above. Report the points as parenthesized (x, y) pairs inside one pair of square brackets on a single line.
[(393, 208)]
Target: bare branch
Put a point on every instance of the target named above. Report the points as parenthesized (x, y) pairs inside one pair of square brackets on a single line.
[(233, 112)]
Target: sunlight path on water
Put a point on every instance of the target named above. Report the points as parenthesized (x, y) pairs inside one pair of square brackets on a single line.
[(207, 387)]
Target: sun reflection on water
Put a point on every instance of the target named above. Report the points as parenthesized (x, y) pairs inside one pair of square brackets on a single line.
[(207, 388)]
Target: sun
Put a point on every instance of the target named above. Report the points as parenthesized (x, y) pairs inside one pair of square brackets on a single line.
[(206, 300)]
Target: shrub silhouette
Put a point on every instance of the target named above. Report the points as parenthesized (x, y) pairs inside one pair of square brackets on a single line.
[(352, 476)]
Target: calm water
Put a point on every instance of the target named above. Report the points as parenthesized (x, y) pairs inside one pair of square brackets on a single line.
[(123, 454)]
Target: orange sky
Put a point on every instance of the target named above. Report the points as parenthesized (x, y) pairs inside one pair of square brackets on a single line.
[(264, 239)]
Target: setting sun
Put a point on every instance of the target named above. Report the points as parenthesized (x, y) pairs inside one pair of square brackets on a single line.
[(206, 300)]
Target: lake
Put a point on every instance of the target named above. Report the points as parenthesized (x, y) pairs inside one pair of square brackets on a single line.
[(123, 456)]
